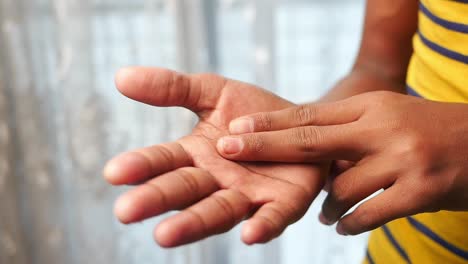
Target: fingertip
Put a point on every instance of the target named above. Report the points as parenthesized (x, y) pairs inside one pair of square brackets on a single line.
[(111, 172), (127, 168), (324, 220), (230, 145), (123, 78), (248, 234), (175, 231), (125, 210), (164, 235), (241, 125), (254, 231), (352, 224), (340, 229)]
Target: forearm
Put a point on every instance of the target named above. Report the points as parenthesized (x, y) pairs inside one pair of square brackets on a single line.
[(361, 81), (385, 50)]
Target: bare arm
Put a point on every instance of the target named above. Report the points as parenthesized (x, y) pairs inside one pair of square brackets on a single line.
[(385, 51)]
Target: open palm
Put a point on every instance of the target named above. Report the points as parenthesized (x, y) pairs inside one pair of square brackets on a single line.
[(213, 193)]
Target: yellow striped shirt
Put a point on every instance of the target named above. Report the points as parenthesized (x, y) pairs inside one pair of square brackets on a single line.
[(438, 71)]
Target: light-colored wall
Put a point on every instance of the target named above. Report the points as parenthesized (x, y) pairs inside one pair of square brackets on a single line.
[(61, 117)]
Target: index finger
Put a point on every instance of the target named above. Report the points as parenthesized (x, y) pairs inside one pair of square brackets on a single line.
[(300, 144)]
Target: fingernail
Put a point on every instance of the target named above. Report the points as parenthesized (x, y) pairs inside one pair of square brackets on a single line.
[(324, 220), (340, 230), (241, 126), (230, 145)]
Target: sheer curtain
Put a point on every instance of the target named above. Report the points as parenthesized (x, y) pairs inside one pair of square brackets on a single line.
[(61, 118)]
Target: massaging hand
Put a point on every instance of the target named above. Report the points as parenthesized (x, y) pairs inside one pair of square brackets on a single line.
[(213, 193), (417, 150)]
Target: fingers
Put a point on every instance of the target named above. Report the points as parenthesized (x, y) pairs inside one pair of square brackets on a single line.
[(139, 165), (162, 87), (385, 207), (334, 113), (337, 167), (340, 166), (174, 190), (215, 214), (353, 186), (269, 222), (301, 144), (309, 177)]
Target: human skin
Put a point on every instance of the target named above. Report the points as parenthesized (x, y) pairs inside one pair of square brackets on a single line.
[(213, 194), (380, 65), (382, 61), (414, 149), (385, 51)]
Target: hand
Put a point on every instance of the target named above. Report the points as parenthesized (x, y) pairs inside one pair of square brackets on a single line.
[(214, 194), (417, 150)]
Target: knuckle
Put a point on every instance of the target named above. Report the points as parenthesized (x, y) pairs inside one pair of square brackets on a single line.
[(307, 138), (175, 93), (273, 225), (425, 197), (147, 156), (159, 191), (415, 150), (199, 218), (226, 207), (256, 144), (425, 190), (291, 211), (148, 80), (208, 80), (279, 216), (161, 153), (276, 219), (263, 121), (177, 80), (189, 180), (304, 114)]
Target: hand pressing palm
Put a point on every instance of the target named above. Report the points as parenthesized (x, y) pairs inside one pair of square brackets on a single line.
[(213, 193)]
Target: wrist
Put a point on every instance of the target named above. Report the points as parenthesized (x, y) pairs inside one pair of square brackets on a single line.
[(362, 80)]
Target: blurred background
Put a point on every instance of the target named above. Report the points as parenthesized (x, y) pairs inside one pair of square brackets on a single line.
[(61, 117)]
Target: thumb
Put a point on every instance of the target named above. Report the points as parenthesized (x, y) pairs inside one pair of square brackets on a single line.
[(163, 87)]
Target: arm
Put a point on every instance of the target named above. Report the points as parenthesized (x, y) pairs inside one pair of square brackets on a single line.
[(383, 57), (385, 50)]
